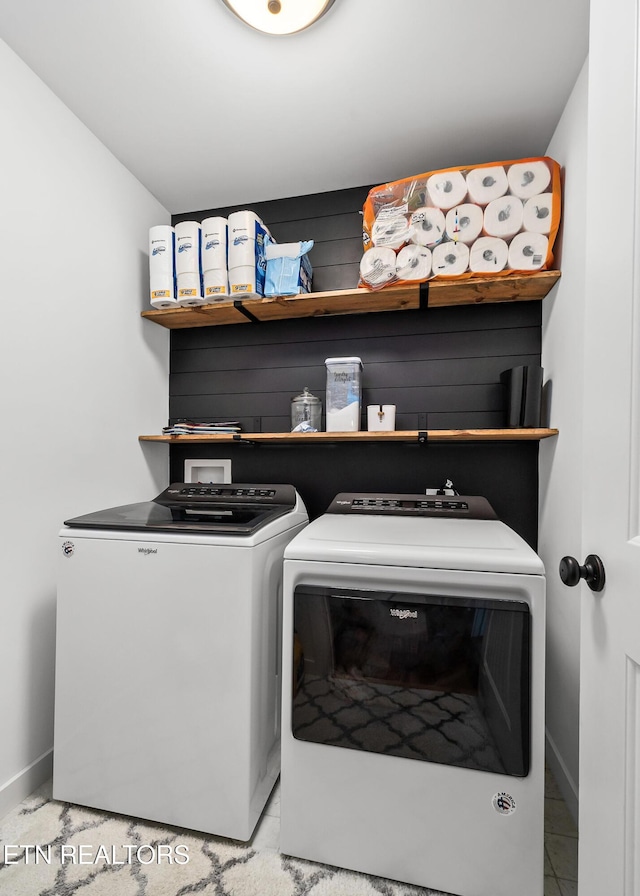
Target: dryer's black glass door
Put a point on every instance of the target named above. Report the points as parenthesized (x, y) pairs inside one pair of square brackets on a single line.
[(420, 676)]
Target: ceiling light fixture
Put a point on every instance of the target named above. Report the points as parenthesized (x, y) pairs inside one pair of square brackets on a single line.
[(279, 16)]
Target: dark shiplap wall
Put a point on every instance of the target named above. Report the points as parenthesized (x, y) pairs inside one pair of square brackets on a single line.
[(444, 363), (440, 367), (504, 472), (332, 220)]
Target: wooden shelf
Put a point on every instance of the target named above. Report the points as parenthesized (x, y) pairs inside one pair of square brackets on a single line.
[(431, 435), (440, 293)]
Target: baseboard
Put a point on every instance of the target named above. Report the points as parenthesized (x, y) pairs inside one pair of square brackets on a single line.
[(25, 782), (567, 786)]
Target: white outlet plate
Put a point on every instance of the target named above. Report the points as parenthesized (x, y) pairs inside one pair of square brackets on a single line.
[(203, 470)]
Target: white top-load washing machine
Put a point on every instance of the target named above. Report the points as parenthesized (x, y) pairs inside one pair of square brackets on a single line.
[(413, 695), (167, 693)]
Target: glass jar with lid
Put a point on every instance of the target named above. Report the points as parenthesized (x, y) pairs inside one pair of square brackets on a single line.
[(306, 412)]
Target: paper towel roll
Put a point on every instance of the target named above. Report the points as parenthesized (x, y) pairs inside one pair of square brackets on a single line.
[(243, 252), (537, 213), (378, 266), (450, 259), (528, 251), (216, 284), (190, 289), (188, 247), (391, 231), (427, 226), (244, 222), (243, 282), (503, 217), (413, 263), (246, 237), (486, 184), (446, 189), (464, 222), (162, 284), (214, 244), (527, 179), (488, 254), (160, 300)]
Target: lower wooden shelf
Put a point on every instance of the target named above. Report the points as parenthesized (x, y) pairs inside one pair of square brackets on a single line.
[(431, 435)]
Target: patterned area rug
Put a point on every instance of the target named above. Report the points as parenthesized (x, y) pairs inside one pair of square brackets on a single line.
[(49, 848)]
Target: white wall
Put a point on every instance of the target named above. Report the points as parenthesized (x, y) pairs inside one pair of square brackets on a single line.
[(82, 375), (561, 458)]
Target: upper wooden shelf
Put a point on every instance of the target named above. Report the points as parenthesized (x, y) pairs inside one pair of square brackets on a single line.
[(431, 435), (440, 293)]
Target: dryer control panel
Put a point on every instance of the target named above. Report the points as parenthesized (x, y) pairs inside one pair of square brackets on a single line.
[(461, 506)]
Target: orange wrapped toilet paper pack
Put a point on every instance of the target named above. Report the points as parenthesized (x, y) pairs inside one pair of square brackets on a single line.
[(485, 220)]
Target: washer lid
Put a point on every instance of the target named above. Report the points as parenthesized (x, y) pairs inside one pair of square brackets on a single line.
[(226, 509), (418, 542)]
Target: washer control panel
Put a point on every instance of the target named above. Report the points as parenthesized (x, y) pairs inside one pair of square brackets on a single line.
[(210, 491), (189, 495)]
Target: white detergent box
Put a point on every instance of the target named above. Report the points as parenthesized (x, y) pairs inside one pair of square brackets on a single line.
[(289, 270)]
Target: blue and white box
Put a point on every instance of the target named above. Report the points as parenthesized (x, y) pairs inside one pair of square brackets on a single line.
[(289, 270)]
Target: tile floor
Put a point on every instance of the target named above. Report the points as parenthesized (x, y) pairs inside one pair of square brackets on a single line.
[(560, 844), (560, 838)]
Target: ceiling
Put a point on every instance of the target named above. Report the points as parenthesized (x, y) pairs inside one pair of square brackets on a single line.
[(207, 112)]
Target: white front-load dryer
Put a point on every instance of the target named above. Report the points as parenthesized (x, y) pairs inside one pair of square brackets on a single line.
[(167, 692), (413, 695)]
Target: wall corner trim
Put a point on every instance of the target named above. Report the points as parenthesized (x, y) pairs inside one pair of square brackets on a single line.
[(18, 788)]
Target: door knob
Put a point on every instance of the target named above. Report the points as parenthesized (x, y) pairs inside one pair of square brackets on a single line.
[(592, 572)]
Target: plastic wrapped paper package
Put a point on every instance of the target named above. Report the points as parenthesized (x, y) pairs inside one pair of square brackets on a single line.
[(459, 208), (289, 270)]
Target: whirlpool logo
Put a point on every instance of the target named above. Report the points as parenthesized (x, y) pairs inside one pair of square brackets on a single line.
[(403, 614), (147, 551)]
